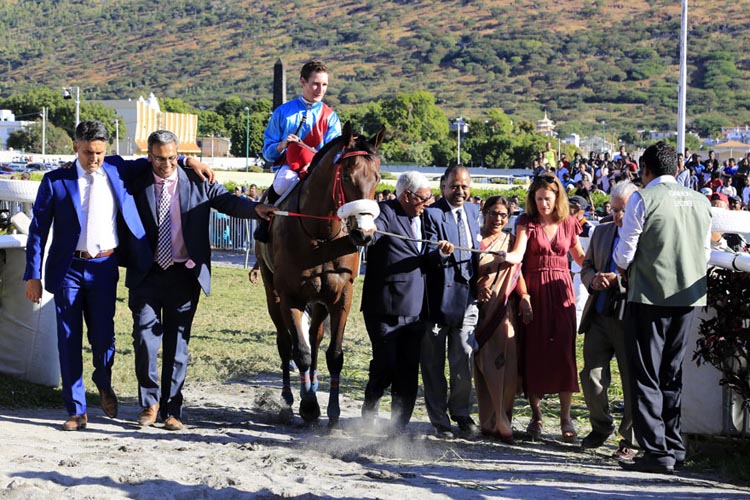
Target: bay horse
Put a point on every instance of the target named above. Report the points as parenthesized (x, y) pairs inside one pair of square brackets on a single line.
[(311, 261)]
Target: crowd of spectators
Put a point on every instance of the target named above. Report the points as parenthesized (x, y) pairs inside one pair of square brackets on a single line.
[(528, 289)]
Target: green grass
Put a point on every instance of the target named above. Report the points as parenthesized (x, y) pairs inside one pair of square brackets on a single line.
[(233, 338)]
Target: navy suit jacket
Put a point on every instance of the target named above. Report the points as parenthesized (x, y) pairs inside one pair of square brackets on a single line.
[(448, 294), (197, 198), (394, 279), (58, 201)]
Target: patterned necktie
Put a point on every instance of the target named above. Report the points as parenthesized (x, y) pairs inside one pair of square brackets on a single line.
[(93, 214), (463, 255), (164, 241)]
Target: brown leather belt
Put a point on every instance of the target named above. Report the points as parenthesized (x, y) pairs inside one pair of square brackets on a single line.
[(78, 254)]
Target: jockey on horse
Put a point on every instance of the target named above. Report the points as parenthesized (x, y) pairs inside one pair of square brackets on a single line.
[(297, 130)]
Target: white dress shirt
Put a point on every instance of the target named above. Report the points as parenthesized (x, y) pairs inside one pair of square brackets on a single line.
[(106, 228), (632, 226)]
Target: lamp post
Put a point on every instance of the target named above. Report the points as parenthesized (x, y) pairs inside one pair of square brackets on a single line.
[(247, 138), (604, 135), (44, 132), (117, 137), (68, 94), (460, 126)]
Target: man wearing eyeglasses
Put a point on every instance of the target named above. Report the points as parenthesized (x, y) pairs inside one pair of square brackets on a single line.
[(393, 300), (452, 306), (173, 265)]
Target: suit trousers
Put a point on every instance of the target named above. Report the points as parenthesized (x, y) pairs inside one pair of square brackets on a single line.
[(395, 363), (163, 306), (604, 340), (88, 292), (460, 349), (656, 341)]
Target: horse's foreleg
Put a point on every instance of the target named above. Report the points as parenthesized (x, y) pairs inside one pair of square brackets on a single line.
[(318, 314), (335, 358), (309, 409), (283, 337)]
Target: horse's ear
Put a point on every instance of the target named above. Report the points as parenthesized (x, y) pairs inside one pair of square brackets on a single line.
[(377, 139), (346, 133)]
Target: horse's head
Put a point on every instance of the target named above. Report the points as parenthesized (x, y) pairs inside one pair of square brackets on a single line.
[(360, 175)]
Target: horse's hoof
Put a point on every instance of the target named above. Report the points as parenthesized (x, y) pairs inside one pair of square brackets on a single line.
[(286, 416), (309, 409), (287, 396), (333, 423)]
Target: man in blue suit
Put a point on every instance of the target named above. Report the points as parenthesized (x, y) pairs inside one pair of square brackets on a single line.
[(393, 298), (174, 206), (81, 268), (452, 305)]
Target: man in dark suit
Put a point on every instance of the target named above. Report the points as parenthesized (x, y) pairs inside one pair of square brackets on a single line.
[(173, 265), (602, 324), (86, 204), (452, 306), (393, 298)]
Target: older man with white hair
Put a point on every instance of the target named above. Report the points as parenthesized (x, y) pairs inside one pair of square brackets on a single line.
[(393, 299), (603, 326)]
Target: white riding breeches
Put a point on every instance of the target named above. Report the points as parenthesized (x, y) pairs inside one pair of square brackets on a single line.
[(284, 180)]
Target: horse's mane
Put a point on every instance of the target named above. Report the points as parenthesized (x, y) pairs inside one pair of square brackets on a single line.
[(361, 145)]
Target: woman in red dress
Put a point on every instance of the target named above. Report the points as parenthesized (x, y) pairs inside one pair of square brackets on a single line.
[(544, 236)]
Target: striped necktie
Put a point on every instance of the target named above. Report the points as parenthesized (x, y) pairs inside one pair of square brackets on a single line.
[(164, 241), (463, 255)]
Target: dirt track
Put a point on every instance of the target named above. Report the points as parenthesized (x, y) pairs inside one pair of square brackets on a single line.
[(235, 446)]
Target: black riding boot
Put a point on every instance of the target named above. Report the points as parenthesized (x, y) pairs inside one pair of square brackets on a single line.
[(262, 231)]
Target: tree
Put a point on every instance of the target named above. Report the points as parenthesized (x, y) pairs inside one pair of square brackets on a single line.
[(177, 106), (211, 123), (29, 139)]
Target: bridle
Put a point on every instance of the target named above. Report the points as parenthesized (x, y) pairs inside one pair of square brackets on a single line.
[(339, 196)]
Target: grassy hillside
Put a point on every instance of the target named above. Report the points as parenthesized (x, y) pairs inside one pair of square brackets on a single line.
[(581, 60)]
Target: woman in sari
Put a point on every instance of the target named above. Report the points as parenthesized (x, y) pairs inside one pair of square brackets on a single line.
[(496, 360)]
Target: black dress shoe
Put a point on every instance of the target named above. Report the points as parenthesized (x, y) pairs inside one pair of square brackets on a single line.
[(443, 432), (466, 425), (644, 464), (595, 439)]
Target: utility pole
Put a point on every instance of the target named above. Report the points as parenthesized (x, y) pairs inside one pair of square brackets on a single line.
[(44, 132)]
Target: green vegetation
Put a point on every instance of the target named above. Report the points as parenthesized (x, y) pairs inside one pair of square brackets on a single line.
[(411, 65)]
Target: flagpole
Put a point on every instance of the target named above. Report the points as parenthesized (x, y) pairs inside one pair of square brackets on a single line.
[(682, 89)]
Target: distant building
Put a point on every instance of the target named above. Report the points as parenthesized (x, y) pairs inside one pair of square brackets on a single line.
[(572, 139), (213, 147), (595, 144), (8, 125), (545, 126), (143, 116), (659, 135), (736, 133)]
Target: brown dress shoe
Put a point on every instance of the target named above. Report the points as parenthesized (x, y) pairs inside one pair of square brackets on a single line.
[(173, 424), (148, 415), (109, 402), (75, 423)]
